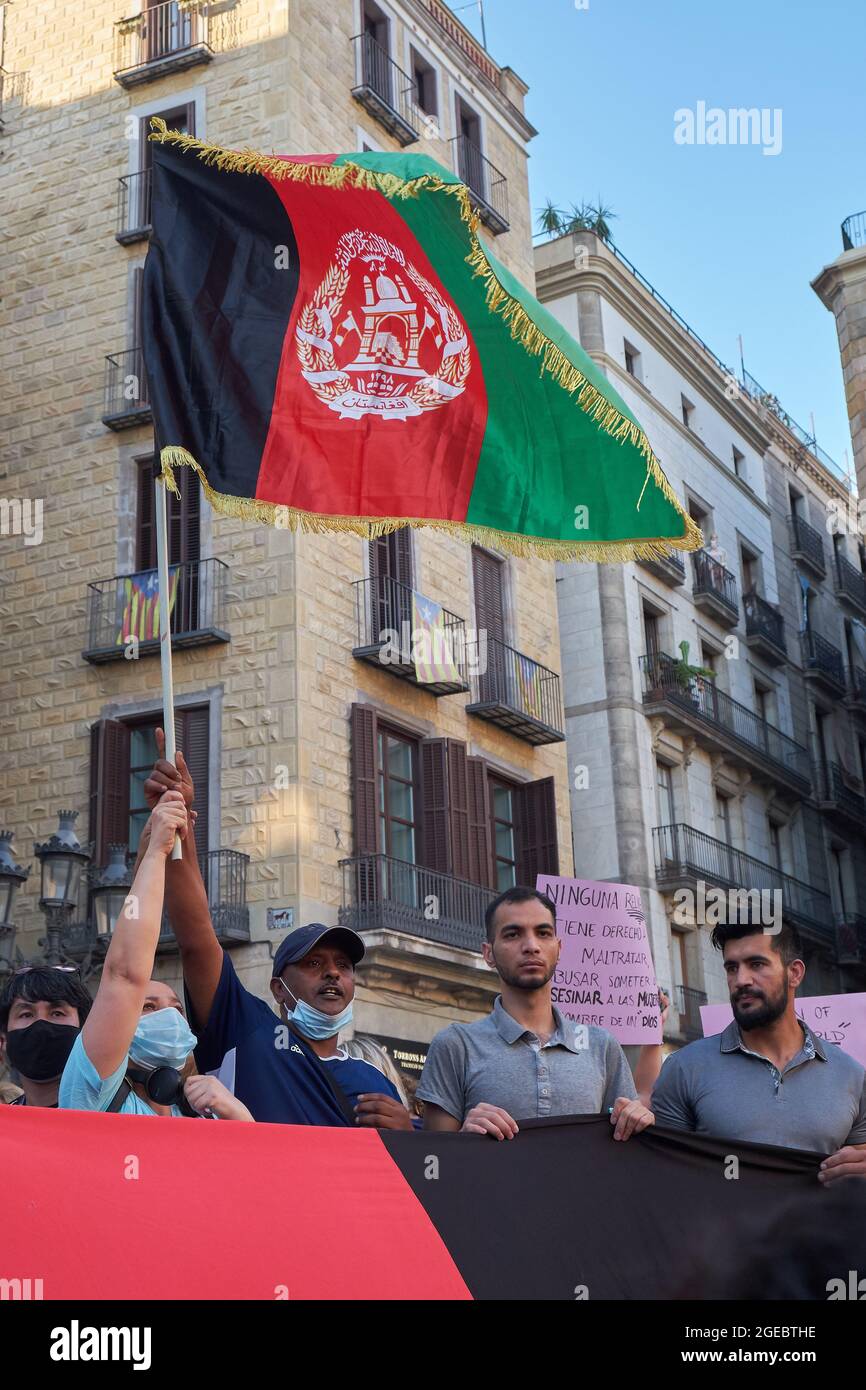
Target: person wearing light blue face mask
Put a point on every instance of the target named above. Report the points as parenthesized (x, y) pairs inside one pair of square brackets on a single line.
[(134, 1053)]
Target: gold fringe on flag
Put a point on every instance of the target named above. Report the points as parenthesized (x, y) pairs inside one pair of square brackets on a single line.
[(522, 328)]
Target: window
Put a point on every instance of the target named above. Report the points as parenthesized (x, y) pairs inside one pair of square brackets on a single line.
[(183, 516), (764, 703), (739, 463), (702, 519), (168, 28), (751, 566), (632, 361), (122, 752), (396, 776), (723, 818), (488, 575), (424, 78), (665, 794), (775, 832), (798, 503), (837, 880), (688, 411), (504, 839), (390, 586), (470, 161), (651, 632)]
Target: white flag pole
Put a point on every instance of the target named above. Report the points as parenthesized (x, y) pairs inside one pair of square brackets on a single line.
[(165, 634)]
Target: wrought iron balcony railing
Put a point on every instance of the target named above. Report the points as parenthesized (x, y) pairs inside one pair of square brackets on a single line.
[(688, 1005), (380, 892), (807, 544), (670, 568), (765, 626), (133, 207), (857, 687), (683, 854), (822, 660), (515, 692), (834, 791), (854, 231), (124, 610), (402, 632), (665, 679), (488, 186), (163, 38), (714, 582), (127, 402), (225, 879), (850, 583), (385, 90)]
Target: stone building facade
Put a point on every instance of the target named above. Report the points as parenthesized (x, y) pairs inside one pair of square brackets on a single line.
[(332, 785), (747, 770)]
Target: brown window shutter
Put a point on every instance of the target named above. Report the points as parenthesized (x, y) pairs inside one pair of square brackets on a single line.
[(145, 528), (480, 869), (365, 806), (109, 788), (458, 807), (537, 848), (193, 740), (488, 577), (436, 836)]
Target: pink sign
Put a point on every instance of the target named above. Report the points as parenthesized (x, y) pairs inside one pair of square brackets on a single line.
[(605, 974), (837, 1018)]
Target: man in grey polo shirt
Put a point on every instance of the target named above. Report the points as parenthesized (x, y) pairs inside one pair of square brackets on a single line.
[(525, 1059), (767, 1078)]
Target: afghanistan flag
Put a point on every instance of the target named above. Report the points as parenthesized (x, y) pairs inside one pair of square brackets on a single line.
[(330, 345)]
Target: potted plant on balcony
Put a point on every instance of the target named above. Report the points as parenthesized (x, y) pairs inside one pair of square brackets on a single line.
[(687, 676)]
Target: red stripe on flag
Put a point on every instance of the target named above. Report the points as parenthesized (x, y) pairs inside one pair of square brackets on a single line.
[(327, 454), (125, 1207)]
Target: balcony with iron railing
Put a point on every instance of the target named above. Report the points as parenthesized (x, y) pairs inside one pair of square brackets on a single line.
[(851, 938), (133, 207), (225, 878), (807, 544), (162, 39), (407, 635), (385, 90), (854, 231), (855, 698), (836, 794), (850, 585), (127, 401), (688, 1005), (823, 663), (515, 692), (488, 187), (383, 893), (714, 588), (670, 568), (123, 612), (693, 706), (685, 856), (765, 628)]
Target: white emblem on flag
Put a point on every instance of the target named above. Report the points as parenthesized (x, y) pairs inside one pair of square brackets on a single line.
[(377, 338)]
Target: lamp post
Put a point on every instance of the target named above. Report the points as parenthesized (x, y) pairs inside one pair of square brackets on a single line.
[(11, 877), (62, 861), (110, 887)]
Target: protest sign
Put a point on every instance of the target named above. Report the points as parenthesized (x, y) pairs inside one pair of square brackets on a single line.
[(605, 974), (837, 1018)]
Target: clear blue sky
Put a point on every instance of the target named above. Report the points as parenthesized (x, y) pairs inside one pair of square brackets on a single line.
[(730, 236)]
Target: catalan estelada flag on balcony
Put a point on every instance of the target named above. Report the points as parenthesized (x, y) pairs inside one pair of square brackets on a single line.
[(330, 345), (432, 654), (140, 616)]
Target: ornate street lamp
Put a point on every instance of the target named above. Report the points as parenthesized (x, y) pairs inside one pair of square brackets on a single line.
[(11, 877), (62, 861), (110, 887)]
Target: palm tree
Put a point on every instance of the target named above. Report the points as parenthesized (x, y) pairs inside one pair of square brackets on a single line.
[(551, 219)]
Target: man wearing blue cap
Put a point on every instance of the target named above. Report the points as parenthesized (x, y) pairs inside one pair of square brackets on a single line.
[(286, 1071)]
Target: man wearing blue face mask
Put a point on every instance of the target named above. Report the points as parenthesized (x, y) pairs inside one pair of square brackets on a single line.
[(134, 1053), (294, 1071)]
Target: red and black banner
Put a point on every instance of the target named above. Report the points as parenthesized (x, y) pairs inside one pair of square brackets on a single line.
[(109, 1207)]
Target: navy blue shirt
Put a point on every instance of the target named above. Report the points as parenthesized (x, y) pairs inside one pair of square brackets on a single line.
[(258, 1059)]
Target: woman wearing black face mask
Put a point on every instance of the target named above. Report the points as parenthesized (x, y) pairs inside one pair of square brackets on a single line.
[(42, 1011)]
